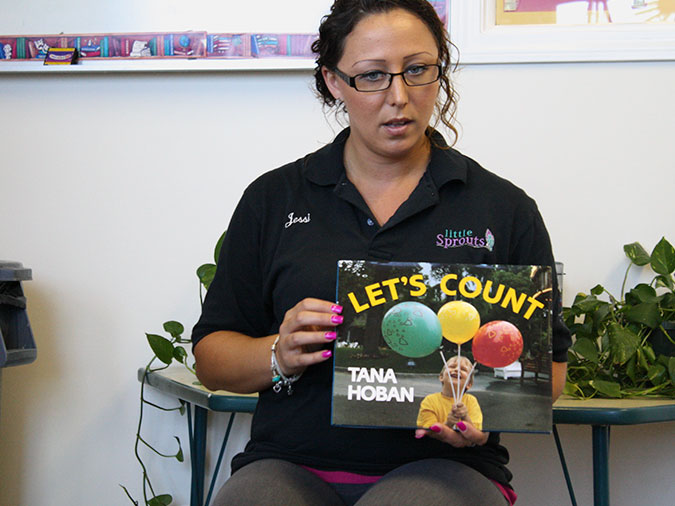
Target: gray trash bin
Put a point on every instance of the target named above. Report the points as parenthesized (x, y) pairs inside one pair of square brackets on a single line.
[(17, 345)]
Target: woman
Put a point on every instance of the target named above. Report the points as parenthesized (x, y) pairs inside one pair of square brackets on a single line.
[(383, 190)]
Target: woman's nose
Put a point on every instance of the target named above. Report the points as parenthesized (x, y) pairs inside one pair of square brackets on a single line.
[(398, 91)]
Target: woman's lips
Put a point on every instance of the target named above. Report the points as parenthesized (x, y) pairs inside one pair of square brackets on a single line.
[(397, 125)]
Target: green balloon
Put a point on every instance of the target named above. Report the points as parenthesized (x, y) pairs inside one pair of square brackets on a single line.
[(412, 329)]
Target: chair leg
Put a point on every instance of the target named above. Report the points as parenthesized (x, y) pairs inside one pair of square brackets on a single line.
[(563, 463)]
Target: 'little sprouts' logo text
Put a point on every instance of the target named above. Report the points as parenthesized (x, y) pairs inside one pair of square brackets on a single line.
[(458, 238)]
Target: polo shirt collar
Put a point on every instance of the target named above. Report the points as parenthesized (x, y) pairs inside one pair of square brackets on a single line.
[(325, 167)]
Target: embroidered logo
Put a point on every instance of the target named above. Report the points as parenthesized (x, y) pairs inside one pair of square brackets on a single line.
[(458, 238), (292, 219)]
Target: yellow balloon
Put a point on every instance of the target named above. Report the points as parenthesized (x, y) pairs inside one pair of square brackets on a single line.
[(459, 321)]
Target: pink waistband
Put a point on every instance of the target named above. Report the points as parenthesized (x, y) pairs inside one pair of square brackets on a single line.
[(343, 476), (509, 493), (360, 479)]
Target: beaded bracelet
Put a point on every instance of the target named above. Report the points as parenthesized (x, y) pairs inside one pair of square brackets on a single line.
[(279, 379)]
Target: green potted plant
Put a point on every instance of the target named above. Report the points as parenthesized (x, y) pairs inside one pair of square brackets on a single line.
[(168, 351), (624, 346)]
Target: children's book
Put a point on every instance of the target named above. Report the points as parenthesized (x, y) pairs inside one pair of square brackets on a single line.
[(425, 342)]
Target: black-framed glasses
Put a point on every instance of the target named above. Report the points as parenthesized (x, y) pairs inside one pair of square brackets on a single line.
[(378, 80)]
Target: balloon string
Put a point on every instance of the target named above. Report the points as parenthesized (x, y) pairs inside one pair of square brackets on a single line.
[(447, 369), (467, 379), (458, 398)]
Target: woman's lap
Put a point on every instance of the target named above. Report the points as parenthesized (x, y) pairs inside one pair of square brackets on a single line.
[(276, 482), (432, 482), (429, 482)]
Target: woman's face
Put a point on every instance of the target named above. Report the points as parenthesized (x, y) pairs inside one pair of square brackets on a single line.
[(389, 123)]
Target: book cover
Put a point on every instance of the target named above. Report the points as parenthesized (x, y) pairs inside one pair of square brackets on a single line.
[(425, 342)]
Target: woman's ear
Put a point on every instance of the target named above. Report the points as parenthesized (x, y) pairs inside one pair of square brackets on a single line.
[(333, 82)]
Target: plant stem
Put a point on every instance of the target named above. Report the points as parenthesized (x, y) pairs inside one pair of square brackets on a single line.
[(146, 479), (129, 495), (153, 448), (663, 329), (161, 407), (190, 368), (625, 278)]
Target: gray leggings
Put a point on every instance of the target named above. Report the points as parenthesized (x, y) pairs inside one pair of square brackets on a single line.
[(427, 482)]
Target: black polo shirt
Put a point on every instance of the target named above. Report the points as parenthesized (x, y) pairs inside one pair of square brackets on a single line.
[(286, 235)]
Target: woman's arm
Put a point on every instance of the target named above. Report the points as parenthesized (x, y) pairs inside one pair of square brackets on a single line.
[(232, 361), (559, 377), (236, 362)]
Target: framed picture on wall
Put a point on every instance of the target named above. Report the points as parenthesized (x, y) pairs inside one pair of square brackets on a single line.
[(511, 31)]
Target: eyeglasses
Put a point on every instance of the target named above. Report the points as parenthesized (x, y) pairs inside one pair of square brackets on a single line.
[(377, 80)]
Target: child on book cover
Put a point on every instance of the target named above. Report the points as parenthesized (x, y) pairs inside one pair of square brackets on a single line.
[(441, 407)]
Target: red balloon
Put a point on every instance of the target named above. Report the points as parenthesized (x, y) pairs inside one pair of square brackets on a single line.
[(497, 344)]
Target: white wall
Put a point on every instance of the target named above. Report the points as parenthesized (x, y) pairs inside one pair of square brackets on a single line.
[(114, 188)]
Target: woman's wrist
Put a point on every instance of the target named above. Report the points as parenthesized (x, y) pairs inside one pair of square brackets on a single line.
[(279, 378)]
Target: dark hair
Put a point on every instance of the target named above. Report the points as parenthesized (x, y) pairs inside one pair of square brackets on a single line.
[(344, 16)]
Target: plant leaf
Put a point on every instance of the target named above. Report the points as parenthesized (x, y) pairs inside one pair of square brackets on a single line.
[(219, 245), (160, 500), (649, 353), (597, 290), (175, 329), (644, 293), (162, 347), (179, 354), (636, 253), (206, 273), (570, 388), (587, 304), (646, 313), (663, 257), (582, 329), (665, 282), (630, 368), (607, 388), (671, 369), (623, 343), (179, 455), (587, 349), (657, 374)]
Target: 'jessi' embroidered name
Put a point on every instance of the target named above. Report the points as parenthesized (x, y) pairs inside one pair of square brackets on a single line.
[(292, 220)]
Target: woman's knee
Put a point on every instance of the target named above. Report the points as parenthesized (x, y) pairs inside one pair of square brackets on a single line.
[(434, 482), (275, 482)]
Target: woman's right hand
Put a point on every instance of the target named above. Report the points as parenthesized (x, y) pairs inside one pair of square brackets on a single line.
[(306, 328), (466, 434)]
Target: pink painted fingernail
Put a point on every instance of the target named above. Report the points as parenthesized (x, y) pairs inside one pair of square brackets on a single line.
[(461, 426), (419, 435), (330, 335), (435, 428), (327, 354), (336, 318), (335, 308)]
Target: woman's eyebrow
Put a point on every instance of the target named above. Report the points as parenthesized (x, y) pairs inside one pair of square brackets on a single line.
[(382, 60)]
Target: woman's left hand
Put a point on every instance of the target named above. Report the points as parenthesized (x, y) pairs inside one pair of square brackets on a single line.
[(468, 435)]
